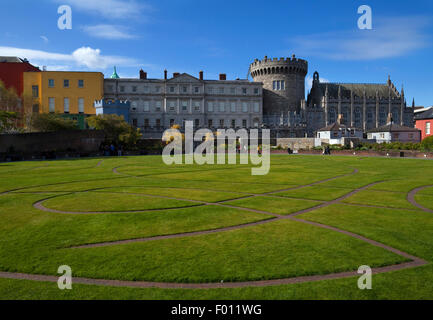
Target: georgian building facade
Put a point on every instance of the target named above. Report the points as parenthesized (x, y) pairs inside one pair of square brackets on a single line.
[(158, 104), (275, 99)]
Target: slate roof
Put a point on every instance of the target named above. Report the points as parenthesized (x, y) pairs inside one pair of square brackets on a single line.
[(393, 128), (336, 127), (11, 60), (358, 89), (428, 114), (333, 127)]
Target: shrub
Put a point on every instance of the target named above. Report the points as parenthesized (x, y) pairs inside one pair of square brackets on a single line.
[(427, 144), (116, 129), (47, 122), (8, 121)]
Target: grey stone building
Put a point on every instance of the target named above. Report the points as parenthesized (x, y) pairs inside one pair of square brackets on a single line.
[(275, 99), (157, 104), (288, 114), (283, 93), (363, 106)]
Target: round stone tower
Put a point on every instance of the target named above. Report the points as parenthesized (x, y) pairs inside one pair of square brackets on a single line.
[(284, 87)]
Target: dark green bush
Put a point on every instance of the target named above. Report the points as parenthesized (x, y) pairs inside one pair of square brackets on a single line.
[(427, 144)]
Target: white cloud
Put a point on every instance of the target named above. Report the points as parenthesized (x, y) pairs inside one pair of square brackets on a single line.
[(83, 57), (390, 37), (115, 9), (309, 81), (107, 31), (45, 39)]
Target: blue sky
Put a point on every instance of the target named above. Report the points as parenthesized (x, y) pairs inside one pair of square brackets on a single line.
[(225, 36)]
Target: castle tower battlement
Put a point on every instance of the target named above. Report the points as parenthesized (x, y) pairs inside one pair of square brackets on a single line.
[(284, 87), (281, 65)]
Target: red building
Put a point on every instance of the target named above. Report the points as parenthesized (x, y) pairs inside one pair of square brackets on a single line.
[(424, 122), (12, 70)]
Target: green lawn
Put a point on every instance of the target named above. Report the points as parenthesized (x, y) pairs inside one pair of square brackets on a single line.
[(425, 200), (38, 242), (182, 193), (316, 193), (274, 204), (381, 198)]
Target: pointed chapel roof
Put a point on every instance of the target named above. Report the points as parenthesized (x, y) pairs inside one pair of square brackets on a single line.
[(115, 75)]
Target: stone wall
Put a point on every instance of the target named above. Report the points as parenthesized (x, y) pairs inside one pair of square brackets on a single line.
[(298, 143), (372, 153)]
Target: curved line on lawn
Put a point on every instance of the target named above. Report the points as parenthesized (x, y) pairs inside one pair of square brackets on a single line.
[(198, 233), (416, 261), (411, 198)]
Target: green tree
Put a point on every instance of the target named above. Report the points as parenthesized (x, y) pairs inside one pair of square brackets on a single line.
[(49, 122), (427, 144), (8, 121), (10, 107), (116, 129)]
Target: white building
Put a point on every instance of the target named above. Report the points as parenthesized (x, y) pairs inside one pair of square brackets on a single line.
[(338, 134), (394, 133)]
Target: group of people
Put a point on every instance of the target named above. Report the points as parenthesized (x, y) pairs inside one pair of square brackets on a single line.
[(111, 150)]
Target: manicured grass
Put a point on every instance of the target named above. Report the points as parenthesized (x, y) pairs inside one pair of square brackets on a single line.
[(191, 194), (274, 204), (381, 198), (111, 202), (401, 186), (316, 193), (425, 200), (50, 231), (409, 231), (271, 251), (411, 284), (37, 242), (427, 191)]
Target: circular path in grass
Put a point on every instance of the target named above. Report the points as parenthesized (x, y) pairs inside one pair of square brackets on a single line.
[(76, 201)]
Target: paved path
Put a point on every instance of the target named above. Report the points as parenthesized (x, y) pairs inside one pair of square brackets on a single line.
[(414, 261), (411, 198)]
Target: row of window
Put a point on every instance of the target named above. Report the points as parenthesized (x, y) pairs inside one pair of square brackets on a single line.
[(66, 104), (279, 85), (186, 90), (221, 106), (395, 136), (52, 83), (66, 83), (232, 106), (222, 123)]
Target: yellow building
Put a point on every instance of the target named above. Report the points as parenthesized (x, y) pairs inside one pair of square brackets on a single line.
[(67, 92)]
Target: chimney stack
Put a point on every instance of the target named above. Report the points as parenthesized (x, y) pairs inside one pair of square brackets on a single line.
[(176, 74), (223, 77), (143, 75), (165, 74), (201, 75)]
